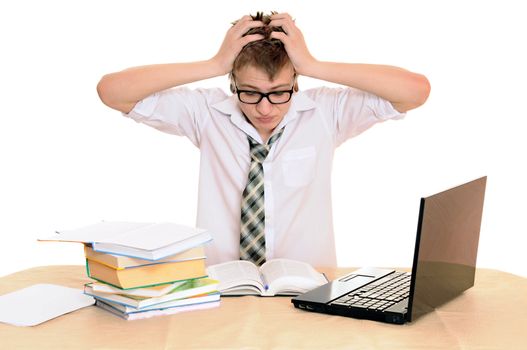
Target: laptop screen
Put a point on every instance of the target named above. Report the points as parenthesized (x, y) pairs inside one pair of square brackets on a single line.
[(446, 246)]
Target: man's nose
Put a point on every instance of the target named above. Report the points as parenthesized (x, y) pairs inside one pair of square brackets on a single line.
[(264, 107)]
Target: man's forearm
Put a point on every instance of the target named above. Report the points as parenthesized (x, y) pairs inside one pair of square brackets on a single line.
[(404, 89), (122, 90)]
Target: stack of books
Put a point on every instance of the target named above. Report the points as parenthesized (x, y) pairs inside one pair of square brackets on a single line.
[(143, 270)]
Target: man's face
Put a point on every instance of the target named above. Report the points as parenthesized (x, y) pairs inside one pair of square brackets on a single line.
[(264, 116)]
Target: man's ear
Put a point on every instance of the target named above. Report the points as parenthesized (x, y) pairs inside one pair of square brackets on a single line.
[(295, 84), (232, 83)]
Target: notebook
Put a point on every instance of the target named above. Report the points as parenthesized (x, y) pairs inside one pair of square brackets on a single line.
[(444, 265)]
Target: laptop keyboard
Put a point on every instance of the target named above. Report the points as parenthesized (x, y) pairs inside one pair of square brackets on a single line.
[(378, 295)]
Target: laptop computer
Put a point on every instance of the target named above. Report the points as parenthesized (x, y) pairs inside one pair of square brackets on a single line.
[(444, 265)]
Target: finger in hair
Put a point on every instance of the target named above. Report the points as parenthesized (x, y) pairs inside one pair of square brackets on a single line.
[(283, 37), (285, 25), (252, 37)]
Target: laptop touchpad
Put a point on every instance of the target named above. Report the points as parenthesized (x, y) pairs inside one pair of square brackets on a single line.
[(352, 282), (350, 277), (335, 289), (341, 287)]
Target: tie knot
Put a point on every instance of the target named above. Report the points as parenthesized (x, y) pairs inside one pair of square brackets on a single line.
[(258, 151)]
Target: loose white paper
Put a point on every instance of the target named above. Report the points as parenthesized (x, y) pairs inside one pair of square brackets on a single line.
[(39, 303)]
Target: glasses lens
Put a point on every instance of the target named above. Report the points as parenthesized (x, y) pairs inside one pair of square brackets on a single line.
[(279, 96), (250, 97)]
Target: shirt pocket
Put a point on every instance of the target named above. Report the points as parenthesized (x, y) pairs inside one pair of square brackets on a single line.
[(298, 166)]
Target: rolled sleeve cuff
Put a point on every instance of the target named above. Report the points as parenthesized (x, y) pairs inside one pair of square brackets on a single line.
[(144, 108), (384, 110)]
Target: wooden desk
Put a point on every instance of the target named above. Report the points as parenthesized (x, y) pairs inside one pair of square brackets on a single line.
[(491, 315)]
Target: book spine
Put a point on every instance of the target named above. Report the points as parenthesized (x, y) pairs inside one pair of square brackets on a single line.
[(87, 269)]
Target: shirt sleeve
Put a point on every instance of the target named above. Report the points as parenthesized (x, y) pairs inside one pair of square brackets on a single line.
[(179, 111), (351, 111)]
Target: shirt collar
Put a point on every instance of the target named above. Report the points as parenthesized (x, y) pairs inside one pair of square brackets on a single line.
[(300, 102)]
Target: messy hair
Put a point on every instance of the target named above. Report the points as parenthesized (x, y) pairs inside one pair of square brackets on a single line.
[(267, 54)]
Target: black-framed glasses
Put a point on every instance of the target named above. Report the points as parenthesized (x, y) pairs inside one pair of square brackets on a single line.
[(254, 97)]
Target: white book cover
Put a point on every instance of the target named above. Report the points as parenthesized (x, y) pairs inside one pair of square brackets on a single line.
[(150, 241), (104, 231), (155, 236), (157, 312), (201, 299)]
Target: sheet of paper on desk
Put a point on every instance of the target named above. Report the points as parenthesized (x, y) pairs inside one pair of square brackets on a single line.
[(39, 303)]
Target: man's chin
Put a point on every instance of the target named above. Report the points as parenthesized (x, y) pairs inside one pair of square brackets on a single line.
[(270, 128)]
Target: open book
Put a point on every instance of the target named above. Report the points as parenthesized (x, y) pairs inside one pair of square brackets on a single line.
[(275, 277)]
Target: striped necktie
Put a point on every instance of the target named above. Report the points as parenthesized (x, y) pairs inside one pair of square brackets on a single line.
[(252, 238)]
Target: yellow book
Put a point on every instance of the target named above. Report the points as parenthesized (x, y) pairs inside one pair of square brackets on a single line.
[(121, 262), (146, 275)]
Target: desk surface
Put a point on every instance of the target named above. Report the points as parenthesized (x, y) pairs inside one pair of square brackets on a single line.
[(488, 316)]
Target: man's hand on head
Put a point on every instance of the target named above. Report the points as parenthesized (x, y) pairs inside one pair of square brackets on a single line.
[(293, 40), (235, 40)]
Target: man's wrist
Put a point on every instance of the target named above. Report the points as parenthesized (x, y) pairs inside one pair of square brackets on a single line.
[(217, 67), (310, 68)]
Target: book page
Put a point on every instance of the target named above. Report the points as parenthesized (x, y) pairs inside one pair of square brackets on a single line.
[(284, 276), (237, 275), (156, 312)]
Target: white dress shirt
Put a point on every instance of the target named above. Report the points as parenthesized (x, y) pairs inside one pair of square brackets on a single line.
[(297, 170)]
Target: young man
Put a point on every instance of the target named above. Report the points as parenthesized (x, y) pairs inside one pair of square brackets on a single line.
[(267, 150)]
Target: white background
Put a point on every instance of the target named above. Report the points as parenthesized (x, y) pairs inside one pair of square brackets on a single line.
[(67, 160)]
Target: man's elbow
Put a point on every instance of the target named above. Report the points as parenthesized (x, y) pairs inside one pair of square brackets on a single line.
[(419, 92), (423, 90), (104, 91), (107, 91)]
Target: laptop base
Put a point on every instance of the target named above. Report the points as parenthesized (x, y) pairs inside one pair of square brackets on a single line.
[(320, 299)]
